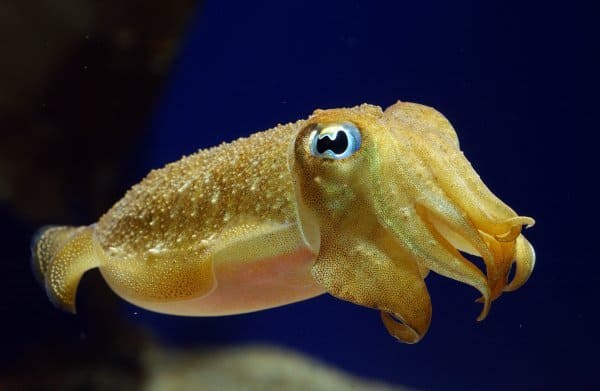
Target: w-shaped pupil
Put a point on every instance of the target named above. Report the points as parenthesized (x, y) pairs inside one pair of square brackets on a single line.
[(338, 145)]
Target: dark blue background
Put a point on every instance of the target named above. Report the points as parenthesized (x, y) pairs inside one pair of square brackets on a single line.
[(515, 79)]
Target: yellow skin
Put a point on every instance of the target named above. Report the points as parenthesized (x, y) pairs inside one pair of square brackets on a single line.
[(262, 222)]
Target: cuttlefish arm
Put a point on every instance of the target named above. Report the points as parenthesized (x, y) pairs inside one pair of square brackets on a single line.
[(358, 202), (372, 274)]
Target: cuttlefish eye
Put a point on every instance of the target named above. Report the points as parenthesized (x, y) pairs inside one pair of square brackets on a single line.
[(334, 141)]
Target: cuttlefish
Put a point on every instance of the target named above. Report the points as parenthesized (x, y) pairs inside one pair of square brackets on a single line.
[(357, 202)]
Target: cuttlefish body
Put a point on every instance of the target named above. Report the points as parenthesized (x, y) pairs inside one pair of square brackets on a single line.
[(358, 202)]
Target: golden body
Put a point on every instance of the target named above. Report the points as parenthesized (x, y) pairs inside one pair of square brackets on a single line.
[(262, 222)]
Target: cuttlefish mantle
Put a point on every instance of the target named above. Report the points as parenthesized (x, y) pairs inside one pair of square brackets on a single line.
[(357, 202)]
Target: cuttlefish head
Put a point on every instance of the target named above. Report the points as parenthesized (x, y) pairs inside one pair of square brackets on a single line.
[(383, 197)]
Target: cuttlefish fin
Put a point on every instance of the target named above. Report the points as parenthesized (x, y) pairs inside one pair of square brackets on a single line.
[(60, 257), (370, 275)]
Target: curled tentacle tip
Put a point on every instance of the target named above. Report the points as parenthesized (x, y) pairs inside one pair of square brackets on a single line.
[(530, 223), (486, 301), (483, 315), (515, 223), (401, 331), (520, 220)]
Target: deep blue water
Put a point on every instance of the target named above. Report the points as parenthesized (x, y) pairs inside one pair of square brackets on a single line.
[(514, 79)]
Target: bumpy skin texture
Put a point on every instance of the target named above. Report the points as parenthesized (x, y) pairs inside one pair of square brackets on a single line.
[(261, 222)]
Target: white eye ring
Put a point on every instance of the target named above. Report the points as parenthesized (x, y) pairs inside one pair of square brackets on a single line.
[(335, 140)]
